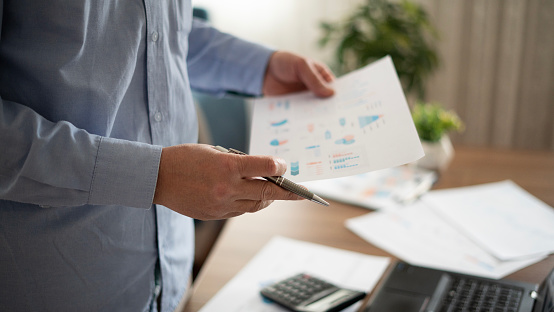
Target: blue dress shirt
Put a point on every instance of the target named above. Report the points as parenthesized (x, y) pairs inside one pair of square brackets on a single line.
[(90, 91)]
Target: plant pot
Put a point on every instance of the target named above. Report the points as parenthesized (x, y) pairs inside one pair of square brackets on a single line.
[(437, 154)]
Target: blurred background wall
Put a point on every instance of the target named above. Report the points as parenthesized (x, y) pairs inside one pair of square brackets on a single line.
[(497, 57)]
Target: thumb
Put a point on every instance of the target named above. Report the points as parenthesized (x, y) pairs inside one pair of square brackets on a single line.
[(260, 166)]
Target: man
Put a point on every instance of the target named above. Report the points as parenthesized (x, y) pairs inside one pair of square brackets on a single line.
[(98, 131)]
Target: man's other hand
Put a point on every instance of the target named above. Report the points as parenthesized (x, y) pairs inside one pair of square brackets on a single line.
[(288, 72)]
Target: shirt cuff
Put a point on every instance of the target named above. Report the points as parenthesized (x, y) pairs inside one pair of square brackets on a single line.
[(125, 173)]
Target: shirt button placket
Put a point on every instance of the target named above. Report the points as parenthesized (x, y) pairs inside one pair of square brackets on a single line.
[(154, 37), (158, 116)]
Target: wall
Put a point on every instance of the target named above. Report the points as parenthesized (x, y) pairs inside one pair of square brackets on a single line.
[(498, 69), (497, 57)]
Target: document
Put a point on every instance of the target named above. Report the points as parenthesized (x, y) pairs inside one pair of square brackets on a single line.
[(418, 235), (385, 189), (364, 127), (500, 217), (283, 257)]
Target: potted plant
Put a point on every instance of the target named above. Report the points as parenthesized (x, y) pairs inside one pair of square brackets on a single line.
[(378, 28), (433, 123), (402, 30)]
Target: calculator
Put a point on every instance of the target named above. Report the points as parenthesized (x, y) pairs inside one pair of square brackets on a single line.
[(306, 293)]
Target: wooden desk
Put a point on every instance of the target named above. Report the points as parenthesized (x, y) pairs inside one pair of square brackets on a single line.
[(244, 236)]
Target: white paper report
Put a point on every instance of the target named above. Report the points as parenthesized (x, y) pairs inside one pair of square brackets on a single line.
[(364, 127)]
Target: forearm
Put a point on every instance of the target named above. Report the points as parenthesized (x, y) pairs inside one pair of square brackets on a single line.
[(57, 164)]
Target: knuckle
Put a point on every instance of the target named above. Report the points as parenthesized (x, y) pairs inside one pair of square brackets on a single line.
[(229, 164), (235, 164), (303, 62), (267, 191), (240, 165), (292, 196), (259, 205)]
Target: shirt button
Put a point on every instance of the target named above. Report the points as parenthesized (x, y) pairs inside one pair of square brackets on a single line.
[(155, 36), (158, 116)]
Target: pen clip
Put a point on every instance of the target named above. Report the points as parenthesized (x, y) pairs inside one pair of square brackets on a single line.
[(234, 151)]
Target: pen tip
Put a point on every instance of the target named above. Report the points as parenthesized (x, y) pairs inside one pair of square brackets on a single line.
[(320, 200)]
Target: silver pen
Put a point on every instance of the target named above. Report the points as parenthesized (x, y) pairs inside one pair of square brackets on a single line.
[(282, 182)]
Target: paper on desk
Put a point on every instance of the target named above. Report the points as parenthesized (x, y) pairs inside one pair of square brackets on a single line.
[(283, 257), (419, 236), (384, 189), (501, 217), (365, 126)]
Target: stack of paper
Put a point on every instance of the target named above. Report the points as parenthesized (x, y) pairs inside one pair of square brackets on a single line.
[(284, 257), (384, 189), (489, 230)]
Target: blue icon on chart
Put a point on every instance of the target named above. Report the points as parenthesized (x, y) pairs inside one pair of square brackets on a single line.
[(279, 123), (276, 142), (294, 168), (366, 120)]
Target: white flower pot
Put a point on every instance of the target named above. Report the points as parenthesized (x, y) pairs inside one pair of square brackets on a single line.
[(437, 154)]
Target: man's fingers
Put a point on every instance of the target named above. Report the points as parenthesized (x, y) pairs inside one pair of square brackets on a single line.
[(251, 206), (250, 166), (232, 215), (257, 189), (241, 207), (316, 77), (325, 72)]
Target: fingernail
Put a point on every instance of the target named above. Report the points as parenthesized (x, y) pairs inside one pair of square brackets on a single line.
[(281, 165), (325, 92)]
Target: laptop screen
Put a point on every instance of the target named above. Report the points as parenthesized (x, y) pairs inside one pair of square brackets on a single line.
[(547, 295)]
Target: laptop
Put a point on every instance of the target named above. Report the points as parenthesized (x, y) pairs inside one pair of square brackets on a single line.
[(409, 288)]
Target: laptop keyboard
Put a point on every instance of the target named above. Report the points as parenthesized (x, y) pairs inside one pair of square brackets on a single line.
[(480, 296)]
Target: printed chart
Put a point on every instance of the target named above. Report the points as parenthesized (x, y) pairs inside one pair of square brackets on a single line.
[(365, 126)]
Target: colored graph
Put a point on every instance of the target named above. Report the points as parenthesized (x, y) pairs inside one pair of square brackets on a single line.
[(279, 123), (346, 140), (366, 120), (279, 105), (314, 150), (276, 142), (315, 168), (345, 160)]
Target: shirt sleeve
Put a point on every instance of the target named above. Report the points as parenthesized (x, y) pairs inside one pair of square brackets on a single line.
[(219, 62), (56, 164)]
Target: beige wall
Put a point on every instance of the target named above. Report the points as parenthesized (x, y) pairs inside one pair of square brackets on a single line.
[(498, 69), (498, 57)]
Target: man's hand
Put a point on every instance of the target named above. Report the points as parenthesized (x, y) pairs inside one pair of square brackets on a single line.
[(288, 72), (200, 182)]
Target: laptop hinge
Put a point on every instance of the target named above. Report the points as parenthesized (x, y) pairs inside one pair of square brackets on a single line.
[(442, 287)]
